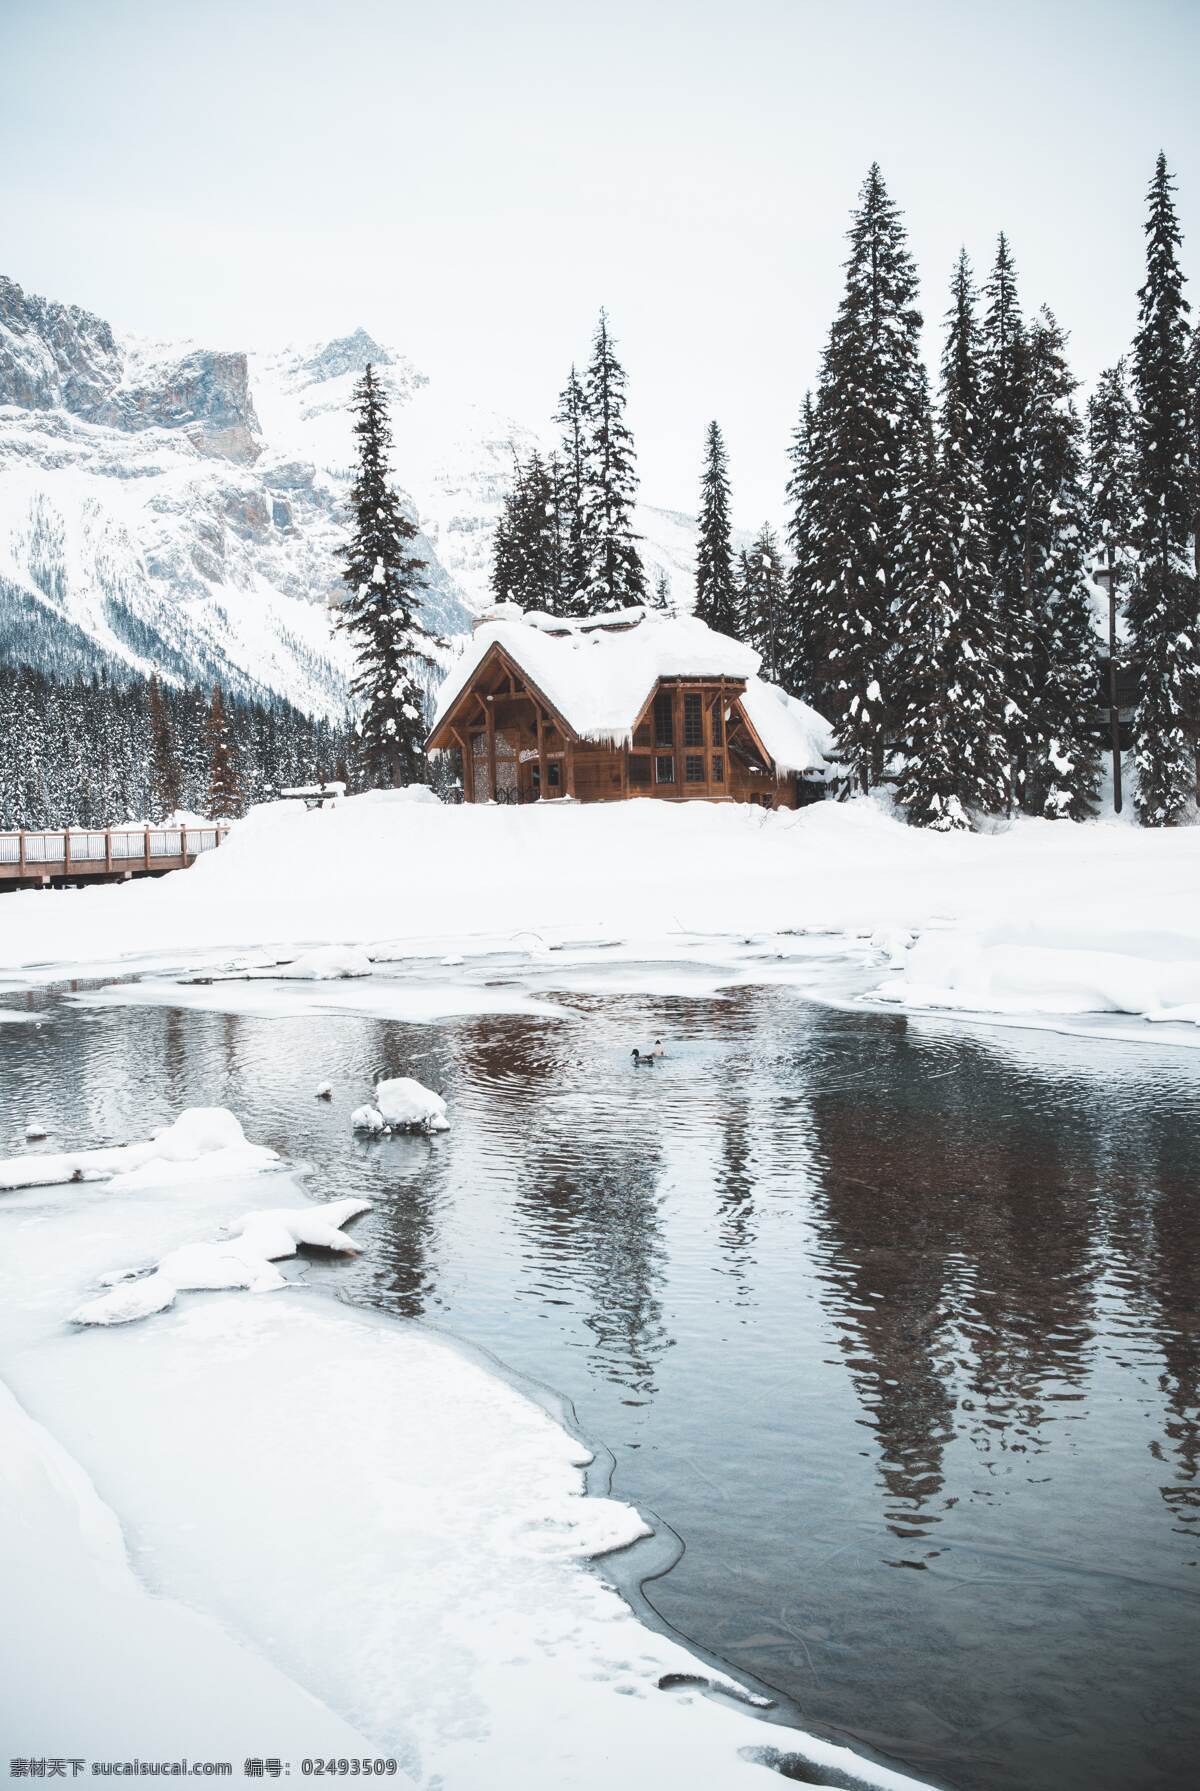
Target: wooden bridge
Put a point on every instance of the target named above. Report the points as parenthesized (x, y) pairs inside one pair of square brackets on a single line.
[(90, 855)]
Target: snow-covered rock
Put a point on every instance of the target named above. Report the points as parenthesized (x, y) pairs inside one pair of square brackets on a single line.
[(326, 963), (128, 1301), (406, 1105), (35, 1131), (367, 1119), (278, 1231)]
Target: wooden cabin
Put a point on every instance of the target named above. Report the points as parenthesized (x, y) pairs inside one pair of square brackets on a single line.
[(635, 703)]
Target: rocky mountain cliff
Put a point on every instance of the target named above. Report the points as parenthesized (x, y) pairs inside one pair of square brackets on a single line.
[(169, 507)]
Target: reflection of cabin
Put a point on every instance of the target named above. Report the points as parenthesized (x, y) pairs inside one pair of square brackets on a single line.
[(629, 704)]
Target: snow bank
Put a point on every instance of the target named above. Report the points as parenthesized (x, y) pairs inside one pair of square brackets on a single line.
[(202, 1144), (436, 879), (96, 1659), (1017, 971)]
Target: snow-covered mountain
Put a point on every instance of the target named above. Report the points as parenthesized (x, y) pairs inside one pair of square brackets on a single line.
[(172, 507)]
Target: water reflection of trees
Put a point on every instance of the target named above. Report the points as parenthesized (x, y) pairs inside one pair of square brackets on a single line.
[(967, 1219), (584, 1174)]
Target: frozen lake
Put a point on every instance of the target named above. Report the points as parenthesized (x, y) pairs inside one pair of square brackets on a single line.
[(892, 1322)]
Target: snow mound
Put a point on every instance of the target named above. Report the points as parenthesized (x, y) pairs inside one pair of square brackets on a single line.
[(278, 1231), (204, 1142), (367, 1119), (407, 1106), (326, 963), (127, 1301), (244, 1261)]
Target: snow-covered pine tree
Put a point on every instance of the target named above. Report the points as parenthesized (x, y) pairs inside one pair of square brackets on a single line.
[(929, 656), (958, 503), (527, 550), (871, 397), (1194, 390), (1061, 770), (1005, 397), (571, 416), (614, 578), (379, 610), (716, 589), (166, 777), (1163, 605), (224, 782), (763, 597), (660, 591), (1112, 473), (804, 651)]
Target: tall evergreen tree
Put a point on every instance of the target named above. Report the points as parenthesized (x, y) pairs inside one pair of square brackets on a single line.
[(805, 649), (1005, 393), (224, 783), (1112, 473), (961, 505), (660, 593), (716, 590), (932, 725), (571, 415), (763, 596), (872, 397), (527, 550), (383, 581), (615, 577), (167, 775), (1163, 606), (1060, 753)]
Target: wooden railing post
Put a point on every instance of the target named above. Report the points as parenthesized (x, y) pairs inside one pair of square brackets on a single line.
[(21, 852), (108, 848), (66, 848), (147, 849)]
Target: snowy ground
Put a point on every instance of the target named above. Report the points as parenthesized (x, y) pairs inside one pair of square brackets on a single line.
[(1041, 919), (326, 1533), (270, 1524)]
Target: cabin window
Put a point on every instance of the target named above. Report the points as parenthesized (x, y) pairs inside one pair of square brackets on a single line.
[(718, 725), (718, 767), (664, 723), (639, 770), (553, 776), (664, 768), (693, 719), (693, 768)]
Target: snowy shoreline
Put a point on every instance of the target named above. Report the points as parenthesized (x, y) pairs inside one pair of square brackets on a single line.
[(380, 1537), (1039, 920)]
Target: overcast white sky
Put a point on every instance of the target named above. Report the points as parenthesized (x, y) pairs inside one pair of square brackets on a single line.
[(472, 181)]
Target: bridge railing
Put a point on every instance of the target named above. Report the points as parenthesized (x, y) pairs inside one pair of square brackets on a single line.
[(91, 849)]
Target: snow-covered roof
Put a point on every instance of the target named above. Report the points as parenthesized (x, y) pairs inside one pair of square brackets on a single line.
[(795, 735), (599, 671)]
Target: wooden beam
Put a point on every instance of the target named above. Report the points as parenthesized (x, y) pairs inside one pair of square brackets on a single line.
[(677, 730), (570, 768), (491, 751), (543, 762), (706, 735), (468, 763)]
